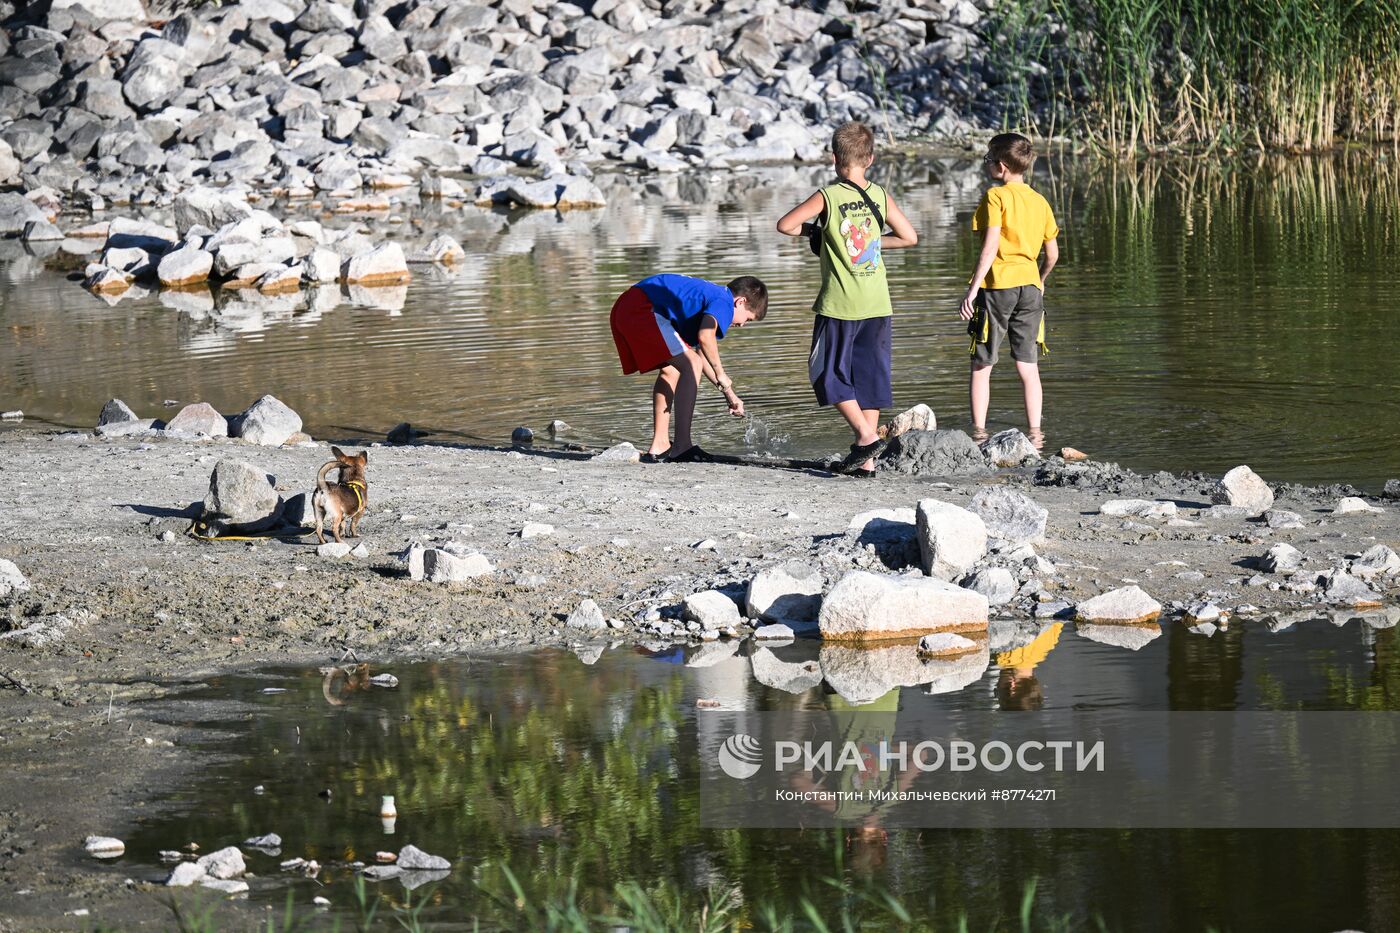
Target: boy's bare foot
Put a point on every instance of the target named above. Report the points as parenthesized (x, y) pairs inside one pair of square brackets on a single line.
[(979, 434)]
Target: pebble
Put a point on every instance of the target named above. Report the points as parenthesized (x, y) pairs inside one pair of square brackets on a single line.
[(104, 846)]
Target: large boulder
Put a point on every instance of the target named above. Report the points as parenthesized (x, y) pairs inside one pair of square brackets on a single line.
[(995, 583), (268, 423), (891, 532), (790, 593), (199, 418), (453, 566), (1011, 517), (16, 211), (1126, 605), (951, 539), (934, 453), (869, 607), (1242, 488), (711, 609), (1281, 558), (241, 497)]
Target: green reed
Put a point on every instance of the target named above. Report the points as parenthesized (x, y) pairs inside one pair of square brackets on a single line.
[(1131, 76)]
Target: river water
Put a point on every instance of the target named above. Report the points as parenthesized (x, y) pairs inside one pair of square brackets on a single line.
[(576, 773), (1204, 315)]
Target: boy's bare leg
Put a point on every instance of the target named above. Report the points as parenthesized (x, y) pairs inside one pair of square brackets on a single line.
[(980, 394), (865, 427), (663, 397), (688, 365), (1030, 386)]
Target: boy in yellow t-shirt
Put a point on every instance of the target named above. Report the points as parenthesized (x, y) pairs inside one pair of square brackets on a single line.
[(1016, 222)]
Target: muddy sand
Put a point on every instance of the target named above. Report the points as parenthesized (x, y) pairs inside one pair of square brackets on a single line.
[(117, 612)]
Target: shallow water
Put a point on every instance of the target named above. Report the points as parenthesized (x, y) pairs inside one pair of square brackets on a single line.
[(1203, 315), (569, 772)]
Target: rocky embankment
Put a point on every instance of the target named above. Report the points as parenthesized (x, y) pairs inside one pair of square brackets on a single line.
[(109, 102)]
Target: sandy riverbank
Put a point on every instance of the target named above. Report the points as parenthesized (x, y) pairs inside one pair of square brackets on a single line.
[(114, 613)]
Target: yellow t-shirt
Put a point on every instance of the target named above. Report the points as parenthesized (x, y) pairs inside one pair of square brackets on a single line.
[(1026, 222), (1032, 654)]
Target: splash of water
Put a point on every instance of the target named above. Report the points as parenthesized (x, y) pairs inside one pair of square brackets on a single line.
[(761, 439)]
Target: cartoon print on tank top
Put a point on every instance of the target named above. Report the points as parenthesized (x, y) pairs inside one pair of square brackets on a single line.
[(861, 237)]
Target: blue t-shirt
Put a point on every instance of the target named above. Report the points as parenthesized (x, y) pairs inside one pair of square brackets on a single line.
[(684, 301)]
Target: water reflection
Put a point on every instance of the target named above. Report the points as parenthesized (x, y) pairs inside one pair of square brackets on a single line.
[(1204, 315), (584, 771)]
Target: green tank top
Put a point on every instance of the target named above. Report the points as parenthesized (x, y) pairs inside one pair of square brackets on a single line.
[(853, 271)]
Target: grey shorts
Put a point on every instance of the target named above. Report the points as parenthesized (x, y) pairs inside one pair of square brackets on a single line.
[(1009, 312)]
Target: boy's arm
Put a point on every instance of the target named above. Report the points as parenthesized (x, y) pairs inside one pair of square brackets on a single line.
[(1052, 256), (990, 242), (904, 235), (790, 224), (709, 356)]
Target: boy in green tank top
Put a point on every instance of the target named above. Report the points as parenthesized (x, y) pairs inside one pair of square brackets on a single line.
[(849, 365)]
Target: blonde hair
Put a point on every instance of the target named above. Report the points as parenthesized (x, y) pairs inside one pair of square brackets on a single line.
[(852, 144)]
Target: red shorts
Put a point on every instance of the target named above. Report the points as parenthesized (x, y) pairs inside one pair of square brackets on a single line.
[(645, 340)]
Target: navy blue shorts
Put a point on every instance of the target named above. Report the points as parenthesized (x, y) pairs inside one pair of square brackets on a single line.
[(850, 361)]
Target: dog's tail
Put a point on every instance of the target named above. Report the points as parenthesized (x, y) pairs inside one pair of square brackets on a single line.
[(321, 483)]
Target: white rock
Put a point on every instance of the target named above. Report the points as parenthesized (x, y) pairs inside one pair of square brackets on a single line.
[(995, 583), (789, 593), (1350, 505), (412, 858), (333, 549), (268, 841), (536, 530), (1378, 560), (1009, 449), (865, 606), (443, 250), (11, 580), (383, 265), (1011, 517), (185, 874), (1341, 588), (103, 846), (951, 539), (1243, 488), (224, 863), (268, 423), (619, 453), (199, 418), (1138, 508), (1281, 558), (321, 266), (712, 609), (209, 207), (918, 418), (1125, 605), (773, 631), (587, 617), (443, 566)]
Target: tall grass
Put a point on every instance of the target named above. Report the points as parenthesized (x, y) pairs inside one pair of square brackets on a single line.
[(1303, 75)]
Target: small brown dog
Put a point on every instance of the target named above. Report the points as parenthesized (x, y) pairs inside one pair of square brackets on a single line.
[(346, 500)]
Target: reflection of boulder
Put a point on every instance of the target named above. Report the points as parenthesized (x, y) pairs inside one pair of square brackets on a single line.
[(1008, 635), (390, 298), (1132, 637), (789, 676), (1376, 618), (863, 675), (710, 653)]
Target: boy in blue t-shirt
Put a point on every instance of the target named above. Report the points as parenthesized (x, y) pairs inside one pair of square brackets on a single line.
[(673, 323)]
